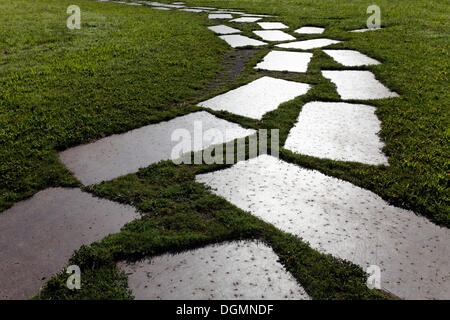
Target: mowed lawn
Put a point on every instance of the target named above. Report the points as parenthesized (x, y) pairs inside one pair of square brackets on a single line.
[(131, 66), (126, 67)]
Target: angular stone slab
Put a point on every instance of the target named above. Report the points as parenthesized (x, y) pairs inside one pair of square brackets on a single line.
[(228, 11), (256, 98), (273, 35), (159, 4), (338, 131), (233, 270), (365, 30), (161, 8), (117, 155), (223, 29), (39, 235), (272, 25), (285, 61), (341, 219), (246, 19), (257, 15), (358, 85), (351, 58), (204, 8), (237, 40), (308, 44), (192, 10), (220, 16), (310, 30)]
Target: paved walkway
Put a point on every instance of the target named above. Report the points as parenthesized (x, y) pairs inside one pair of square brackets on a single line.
[(37, 236)]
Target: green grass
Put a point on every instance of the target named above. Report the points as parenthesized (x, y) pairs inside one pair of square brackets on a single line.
[(126, 67), (130, 66), (178, 214)]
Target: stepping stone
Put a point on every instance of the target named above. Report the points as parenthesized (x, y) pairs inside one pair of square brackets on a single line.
[(338, 131), (257, 15), (39, 235), (117, 155), (228, 11), (365, 30), (310, 30), (246, 19), (192, 10), (285, 61), (272, 25), (226, 271), (308, 44), (256, 98), (158, 4), (351, 58), (178, 3), (220, 16), (204, 8), (223, 29), (273, 35), (358, 85), (133, 4), (160, 8), (341, 219), (237, 40)]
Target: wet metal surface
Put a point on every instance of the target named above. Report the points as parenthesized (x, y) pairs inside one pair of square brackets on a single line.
[(223, 29), (256, 98), (308, 44), (285, 61), (338, 131), (272, 25), (344, 220), (351, 58), (273, 35), (233, 270), (39, 235), (237, 40), (120, 154), (310, 30), (361, 85)]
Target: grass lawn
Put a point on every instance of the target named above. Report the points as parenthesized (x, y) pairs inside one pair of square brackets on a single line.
[(131, 66)]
